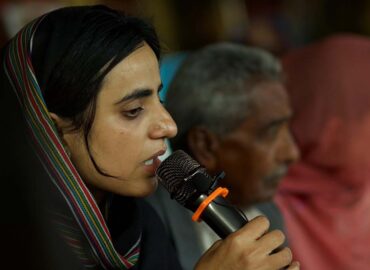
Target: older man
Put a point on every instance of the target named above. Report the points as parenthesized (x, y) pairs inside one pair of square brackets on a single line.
[(232, 113)]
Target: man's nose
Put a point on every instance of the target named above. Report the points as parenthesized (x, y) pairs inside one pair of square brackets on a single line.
[(289, 152)]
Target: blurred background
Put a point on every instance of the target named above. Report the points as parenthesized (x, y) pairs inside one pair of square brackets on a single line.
[(275, 25)]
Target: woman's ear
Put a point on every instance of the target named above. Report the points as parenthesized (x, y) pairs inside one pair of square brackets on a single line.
[(203, 144), (60, 123), (62, 126)]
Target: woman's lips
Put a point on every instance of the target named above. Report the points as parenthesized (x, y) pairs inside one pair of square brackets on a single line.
[(151, 165)]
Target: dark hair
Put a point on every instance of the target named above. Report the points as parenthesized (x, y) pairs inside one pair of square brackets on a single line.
[(96, 40), (105, 38), (214, 84)]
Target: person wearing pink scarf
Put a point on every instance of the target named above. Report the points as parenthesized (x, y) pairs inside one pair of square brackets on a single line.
[(325, 198)]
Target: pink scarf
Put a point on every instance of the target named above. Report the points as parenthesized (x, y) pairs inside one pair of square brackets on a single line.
[(325, 198)]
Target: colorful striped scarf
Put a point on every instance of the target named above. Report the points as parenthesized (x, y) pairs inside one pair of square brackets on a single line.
[(44, 136)]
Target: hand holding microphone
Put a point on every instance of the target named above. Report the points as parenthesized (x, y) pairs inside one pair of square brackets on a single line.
[(246, 245)]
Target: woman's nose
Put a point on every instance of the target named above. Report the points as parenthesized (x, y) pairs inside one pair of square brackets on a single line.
[(164, 127)]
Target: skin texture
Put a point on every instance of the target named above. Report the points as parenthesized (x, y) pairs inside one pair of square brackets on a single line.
[(255, 155)]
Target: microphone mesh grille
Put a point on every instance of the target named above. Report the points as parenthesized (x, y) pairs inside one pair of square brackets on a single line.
[(172, 174)]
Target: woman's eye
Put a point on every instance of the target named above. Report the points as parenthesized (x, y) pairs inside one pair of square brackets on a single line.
[(131, 114), (160, 99)]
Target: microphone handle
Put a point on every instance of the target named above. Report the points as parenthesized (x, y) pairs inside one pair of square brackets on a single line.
[(220, 215)]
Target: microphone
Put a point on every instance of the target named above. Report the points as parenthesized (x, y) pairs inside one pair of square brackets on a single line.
[(191, 186)]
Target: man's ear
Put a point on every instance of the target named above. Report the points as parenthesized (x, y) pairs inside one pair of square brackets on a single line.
[(204, 144)]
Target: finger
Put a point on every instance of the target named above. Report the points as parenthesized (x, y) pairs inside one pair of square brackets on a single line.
[(214, 246), (294, 266), (281, 259), (255, 228), (271, 241)]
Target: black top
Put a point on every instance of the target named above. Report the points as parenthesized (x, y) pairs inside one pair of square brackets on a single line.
[(127, 218)]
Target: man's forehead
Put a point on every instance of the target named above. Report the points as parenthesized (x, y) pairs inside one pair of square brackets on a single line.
[(269, 101)]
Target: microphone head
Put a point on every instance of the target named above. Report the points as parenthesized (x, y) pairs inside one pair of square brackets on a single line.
[(190, 184), (175, 174)]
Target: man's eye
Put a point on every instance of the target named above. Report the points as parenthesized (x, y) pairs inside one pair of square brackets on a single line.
[(270, 132), (131, 114), (273, 131)]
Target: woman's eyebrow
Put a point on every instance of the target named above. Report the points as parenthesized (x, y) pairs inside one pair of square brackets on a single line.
[(136, 94)]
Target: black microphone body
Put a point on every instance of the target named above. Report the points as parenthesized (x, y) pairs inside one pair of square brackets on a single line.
[(220, 216), (190, 185)]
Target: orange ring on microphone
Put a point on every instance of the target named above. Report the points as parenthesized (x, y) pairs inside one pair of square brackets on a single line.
[(219, 191)]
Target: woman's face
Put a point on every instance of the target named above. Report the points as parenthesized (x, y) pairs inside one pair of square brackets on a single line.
[(129, 129)]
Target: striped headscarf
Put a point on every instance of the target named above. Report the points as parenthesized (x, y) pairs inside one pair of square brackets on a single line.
[(86, 226)]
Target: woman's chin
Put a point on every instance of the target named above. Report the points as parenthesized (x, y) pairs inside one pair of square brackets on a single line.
[(146, 188), (138, 187), (150, 188)]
